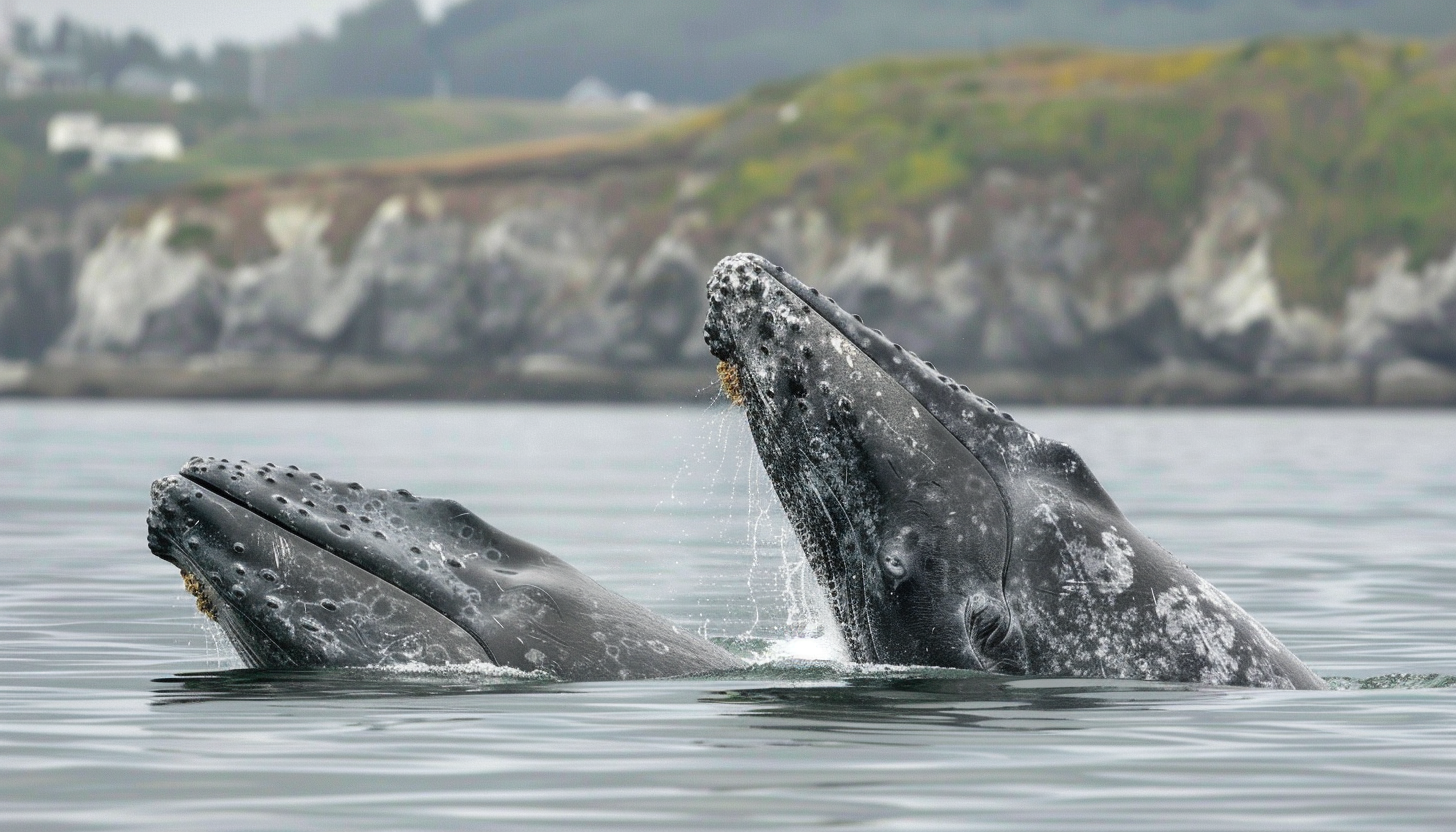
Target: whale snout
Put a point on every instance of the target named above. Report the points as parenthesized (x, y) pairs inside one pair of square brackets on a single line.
[(283, 600)]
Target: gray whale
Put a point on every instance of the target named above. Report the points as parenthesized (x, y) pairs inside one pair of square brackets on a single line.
[(303, 571), (945, 533)]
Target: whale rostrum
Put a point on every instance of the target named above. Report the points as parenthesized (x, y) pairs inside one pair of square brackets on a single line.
[(305, 571), (943, 531)]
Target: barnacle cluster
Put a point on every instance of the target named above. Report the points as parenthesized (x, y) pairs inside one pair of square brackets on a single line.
[(732, 386), (194, 586)]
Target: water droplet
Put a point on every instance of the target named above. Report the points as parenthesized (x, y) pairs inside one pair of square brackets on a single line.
[(268, 575), (454, 562), (273, 603), (329, 605), (280, 498), (238, 547)]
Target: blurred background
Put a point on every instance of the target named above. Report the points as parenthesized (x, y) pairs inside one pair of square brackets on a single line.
[(1089, 201)]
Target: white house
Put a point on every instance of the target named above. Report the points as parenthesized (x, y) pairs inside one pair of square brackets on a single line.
[(67, 132), (110, 144)]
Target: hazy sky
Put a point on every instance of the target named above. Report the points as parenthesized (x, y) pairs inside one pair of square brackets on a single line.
[(200, 22)]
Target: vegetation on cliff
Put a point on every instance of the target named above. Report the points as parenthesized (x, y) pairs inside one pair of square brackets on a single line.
[(1357, 135)]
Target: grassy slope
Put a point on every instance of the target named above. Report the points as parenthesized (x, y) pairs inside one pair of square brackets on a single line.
[(344, 132), (703, 50), (1358, 135), (226, 139)]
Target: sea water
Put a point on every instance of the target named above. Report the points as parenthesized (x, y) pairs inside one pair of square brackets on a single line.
[(121, 708)]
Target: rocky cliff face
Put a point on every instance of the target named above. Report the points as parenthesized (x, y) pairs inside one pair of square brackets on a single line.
[(1015, 284)]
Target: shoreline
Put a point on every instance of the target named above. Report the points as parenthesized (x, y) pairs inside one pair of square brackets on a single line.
[(1407, 383)]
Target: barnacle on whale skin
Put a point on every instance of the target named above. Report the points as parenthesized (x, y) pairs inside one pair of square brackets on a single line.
[(204, 604), (732, 385)]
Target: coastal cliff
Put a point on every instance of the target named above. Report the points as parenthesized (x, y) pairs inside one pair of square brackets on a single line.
[(1049, 225)]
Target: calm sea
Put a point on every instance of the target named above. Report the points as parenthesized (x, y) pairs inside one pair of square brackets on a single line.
[(119, 709)]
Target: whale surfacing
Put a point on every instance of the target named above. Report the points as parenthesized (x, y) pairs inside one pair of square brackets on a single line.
[(305, 571), (944, 532)]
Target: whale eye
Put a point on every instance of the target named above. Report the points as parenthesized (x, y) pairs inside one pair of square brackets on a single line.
[(893, 565), (492, 554)]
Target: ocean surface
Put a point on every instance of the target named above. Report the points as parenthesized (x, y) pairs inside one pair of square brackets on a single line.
[(122, 708)]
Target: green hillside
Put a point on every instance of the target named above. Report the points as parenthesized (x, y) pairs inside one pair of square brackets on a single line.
[(226, 138), (709, 50), (1357, 135)]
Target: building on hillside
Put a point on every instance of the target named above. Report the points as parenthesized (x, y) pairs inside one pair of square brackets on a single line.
[(72, 132), (108, 145), (592, 91), (29, 74), (146, 82)]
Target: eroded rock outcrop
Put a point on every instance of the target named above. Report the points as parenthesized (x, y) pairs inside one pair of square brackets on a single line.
[(1019, 281)]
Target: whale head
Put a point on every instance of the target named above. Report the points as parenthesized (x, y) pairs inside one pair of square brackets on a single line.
[(943, 531), (306, 571), (904, 527)]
